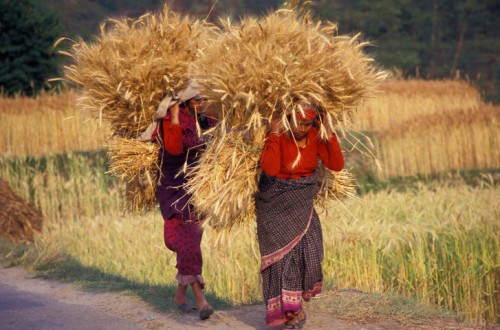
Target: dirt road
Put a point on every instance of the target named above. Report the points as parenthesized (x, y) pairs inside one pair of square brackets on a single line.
[(30, 303)]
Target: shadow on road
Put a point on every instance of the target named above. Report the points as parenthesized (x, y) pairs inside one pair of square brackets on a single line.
[(94, 279)]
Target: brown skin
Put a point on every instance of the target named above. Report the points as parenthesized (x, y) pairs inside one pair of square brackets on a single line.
[(300, 130), (193, 107)]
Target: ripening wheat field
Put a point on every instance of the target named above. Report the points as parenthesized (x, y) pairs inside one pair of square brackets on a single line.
[(437, 242)]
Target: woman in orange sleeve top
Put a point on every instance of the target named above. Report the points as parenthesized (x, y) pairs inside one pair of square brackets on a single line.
[(288, 227)]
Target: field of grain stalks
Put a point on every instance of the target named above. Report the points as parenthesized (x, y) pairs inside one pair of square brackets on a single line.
[(439, 243), (428, 127), (48, 124)]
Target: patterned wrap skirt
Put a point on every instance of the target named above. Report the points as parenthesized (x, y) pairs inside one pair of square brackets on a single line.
[(291, 243)]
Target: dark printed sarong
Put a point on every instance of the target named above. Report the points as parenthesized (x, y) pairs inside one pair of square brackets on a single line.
[(290, 242)]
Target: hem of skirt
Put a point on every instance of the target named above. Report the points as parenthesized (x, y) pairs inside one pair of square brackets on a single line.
[(270, 259), (287, 301), (277, 306), (189, 279), (317, 288)]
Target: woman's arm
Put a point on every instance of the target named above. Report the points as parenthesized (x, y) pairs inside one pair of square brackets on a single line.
[(270, 161), (331, 154), (172, 132)]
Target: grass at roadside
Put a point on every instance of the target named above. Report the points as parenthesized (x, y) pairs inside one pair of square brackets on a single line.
[(390, 311)]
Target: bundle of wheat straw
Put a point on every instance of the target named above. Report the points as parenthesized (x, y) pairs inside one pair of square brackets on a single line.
[(334, 186), (135, 163), (132, 65), (125, 73), (260, 67), (224, 181), (265, 65), (18, 219)]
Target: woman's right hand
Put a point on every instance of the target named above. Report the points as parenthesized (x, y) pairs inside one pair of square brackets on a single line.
[(174, 114)]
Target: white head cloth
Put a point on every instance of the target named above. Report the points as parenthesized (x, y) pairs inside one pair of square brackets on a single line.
[(184, 95)]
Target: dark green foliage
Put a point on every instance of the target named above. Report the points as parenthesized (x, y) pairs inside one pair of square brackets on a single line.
[(27, 58), (419, 38), (427, 38), (82, 18)]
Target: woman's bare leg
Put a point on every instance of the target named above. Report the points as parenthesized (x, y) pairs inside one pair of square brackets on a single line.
[(198, 295), (202, 305), (181, 295)]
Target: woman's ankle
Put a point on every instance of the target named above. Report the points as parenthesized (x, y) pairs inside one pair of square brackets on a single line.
[(181, 295), (199, 297)]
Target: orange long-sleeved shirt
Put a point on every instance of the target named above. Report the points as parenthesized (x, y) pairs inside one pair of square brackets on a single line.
[(280, 152)]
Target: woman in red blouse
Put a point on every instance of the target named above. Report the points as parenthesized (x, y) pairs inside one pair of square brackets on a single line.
[(182, 230), (288, 227)]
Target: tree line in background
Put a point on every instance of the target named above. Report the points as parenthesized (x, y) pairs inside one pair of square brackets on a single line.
[(428, 39)]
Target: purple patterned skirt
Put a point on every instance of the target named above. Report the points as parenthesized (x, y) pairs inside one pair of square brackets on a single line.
[(290, 242)]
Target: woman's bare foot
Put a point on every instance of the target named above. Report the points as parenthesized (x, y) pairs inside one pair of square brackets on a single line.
[(206, 311), (295, 320)]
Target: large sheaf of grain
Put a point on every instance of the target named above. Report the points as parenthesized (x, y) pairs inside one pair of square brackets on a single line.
[(123, 76), (264, 65), (132, 65), (259, 68)]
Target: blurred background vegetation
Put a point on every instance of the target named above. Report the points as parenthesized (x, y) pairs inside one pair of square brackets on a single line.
[(427, 39)]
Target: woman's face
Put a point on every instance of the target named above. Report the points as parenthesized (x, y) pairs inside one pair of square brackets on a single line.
[(195, 105), (302, 128)]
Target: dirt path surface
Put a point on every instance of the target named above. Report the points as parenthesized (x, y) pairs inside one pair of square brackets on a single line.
[(29, 303)]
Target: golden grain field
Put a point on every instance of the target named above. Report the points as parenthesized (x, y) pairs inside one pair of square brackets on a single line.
[(439, 243), (48, 124), (428, 127)]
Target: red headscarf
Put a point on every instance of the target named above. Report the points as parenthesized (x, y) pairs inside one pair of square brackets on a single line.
[(309, 113)]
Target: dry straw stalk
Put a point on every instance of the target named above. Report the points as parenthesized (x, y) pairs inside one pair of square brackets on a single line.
[(135, 163), (224, 182), (261, 66)]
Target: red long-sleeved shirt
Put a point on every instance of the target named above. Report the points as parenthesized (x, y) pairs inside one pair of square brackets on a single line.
[(172, 137), (280, 152)]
